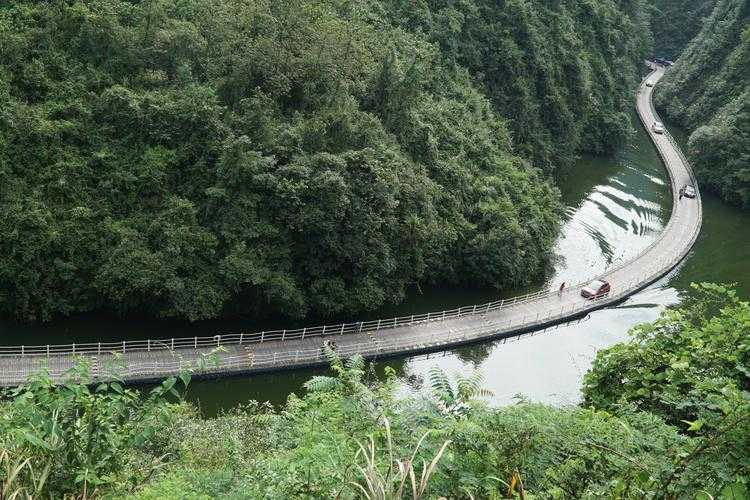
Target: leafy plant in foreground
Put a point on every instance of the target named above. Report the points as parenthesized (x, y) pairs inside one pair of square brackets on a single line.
[(456, 401), (376, 485), (77, 438)]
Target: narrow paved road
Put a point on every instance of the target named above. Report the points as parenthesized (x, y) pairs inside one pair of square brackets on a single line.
[(267, 351)]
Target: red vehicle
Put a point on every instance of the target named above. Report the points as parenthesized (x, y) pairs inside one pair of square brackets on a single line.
[(595, 289)]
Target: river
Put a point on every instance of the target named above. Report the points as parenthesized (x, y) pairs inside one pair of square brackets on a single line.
[(615, 206)]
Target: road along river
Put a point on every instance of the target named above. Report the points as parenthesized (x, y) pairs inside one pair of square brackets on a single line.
[(268, 351)]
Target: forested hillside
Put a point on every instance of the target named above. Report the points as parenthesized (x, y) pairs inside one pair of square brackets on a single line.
[(708, 92), (196, 158), (674, 23), (562, 72)]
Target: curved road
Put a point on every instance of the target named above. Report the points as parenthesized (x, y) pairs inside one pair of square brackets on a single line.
[(286, 349)]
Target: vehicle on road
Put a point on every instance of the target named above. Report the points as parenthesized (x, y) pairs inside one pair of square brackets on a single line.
[(595, 289), (649, 83), (688, 191), (658, 127)]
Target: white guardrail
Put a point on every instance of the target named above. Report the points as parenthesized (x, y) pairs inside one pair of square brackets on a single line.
[(43, 356), (228, 362)]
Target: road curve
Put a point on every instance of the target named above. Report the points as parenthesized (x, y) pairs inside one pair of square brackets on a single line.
[(242, 353)]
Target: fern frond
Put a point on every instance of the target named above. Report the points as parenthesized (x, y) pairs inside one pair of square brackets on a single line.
[(439, 382), (323, 384), (332, 357)]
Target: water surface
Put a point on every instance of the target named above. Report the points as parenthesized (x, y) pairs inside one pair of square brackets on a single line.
[(616, 206)]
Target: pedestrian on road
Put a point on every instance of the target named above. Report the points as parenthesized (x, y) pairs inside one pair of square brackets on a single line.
[(562, 287), (682, 192)]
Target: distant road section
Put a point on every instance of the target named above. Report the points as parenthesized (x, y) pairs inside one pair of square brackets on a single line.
[(244, 353)]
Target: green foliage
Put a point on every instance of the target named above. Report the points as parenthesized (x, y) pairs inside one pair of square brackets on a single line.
[(692, 368), (60, 440), (205, 157), (674, 23), (708, 92), (456, 399), (354, 436), (673, 365), (348, 374), (392, 484), (560, 72)]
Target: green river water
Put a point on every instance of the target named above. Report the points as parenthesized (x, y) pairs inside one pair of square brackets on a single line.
[(616, 206)]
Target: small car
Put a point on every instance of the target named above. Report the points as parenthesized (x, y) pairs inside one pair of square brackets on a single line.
[(649, 83), (688, 191), (658, 127), (595, 289)]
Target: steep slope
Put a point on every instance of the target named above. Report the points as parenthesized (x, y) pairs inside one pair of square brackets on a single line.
[(562, 72), (675, 23), (203, 157), (708, 92)]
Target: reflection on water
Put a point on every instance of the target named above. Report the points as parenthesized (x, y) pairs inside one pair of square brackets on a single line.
[(616, 207)]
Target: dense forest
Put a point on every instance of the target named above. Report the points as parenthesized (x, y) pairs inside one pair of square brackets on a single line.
[(674, 23), (198, 158), (708, 93), (660, 419)]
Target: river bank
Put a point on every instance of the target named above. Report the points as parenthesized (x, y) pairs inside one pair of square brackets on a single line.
[(616, 206)]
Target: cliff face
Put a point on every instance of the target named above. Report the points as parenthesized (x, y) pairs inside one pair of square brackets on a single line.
[(708, 93)]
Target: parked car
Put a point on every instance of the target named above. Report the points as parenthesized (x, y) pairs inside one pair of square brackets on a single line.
[(595, 289), (658, 127), (688, 191), (649, 83)]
